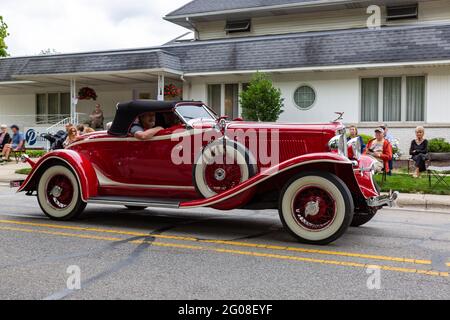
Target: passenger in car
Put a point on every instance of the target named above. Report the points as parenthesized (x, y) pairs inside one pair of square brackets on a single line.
[(145, 129)]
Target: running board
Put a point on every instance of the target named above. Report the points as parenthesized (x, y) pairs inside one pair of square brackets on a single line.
[(138, 202)]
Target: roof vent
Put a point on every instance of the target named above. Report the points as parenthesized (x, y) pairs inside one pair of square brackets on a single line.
[(238, 26), (402, 12)]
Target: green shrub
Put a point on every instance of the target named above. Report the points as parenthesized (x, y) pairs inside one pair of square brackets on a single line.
[(36, 153), (438, 145), (261, 101), (366, 138)]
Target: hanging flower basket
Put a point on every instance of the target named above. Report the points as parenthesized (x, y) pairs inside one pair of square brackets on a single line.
[(87, 94), (172, 91)]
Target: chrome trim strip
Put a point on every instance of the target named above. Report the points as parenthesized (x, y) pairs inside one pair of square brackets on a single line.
[(137, 204)]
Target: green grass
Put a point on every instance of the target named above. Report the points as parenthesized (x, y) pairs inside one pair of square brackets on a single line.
[(407, 184), (25, 171)]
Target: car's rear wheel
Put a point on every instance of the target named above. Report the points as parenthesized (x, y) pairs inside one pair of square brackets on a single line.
[(316, 207), (59, 194), (222, 167)]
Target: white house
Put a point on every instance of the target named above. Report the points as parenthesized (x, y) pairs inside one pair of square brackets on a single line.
[(321, 54)]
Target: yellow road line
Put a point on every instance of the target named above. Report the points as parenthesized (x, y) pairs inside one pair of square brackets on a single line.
[(228, 243), (238, 252)]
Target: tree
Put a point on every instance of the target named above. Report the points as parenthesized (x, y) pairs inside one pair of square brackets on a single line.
[(3, 34), (261, 101)]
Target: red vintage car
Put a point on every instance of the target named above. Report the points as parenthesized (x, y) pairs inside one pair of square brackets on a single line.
[(319, 183)]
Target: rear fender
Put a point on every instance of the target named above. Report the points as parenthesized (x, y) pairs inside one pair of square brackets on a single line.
[(78, 163), (330, 162)]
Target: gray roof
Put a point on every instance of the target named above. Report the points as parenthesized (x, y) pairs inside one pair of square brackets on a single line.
[(153, 59), (333, 48), (204, 6), (349, 47)]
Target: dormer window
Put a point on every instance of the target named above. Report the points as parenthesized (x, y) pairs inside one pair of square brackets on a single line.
[(238, 26), (402, 12)]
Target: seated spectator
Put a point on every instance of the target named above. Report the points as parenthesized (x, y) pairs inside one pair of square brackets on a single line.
[(88, 130), (145, 128), (389, 137), (381, 150), (419, 151), (17, 143), (72, 136), (81, 129), (354, 134), (4, 136)]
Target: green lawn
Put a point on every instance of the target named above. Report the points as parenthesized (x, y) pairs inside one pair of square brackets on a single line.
[(407, 184), (25, 171)]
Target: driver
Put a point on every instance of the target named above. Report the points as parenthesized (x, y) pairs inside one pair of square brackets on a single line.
[(145, 129)]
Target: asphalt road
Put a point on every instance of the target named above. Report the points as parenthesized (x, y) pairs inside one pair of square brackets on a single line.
[(206, 254)]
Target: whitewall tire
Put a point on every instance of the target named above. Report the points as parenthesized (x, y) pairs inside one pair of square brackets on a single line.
[(316, 207), (59, 193), (220, 168)]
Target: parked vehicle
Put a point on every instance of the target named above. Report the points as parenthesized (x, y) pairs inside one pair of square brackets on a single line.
[(319, 184)]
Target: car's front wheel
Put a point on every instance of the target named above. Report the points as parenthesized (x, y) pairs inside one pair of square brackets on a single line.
[(316, 207), (59, 194)]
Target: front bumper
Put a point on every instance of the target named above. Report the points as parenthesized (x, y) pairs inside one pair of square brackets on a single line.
[(384, 200)]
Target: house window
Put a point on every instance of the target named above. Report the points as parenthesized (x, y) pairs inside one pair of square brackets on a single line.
[(392, 99), (52, 107), (215, 97), (415, 98), (402, 12), (232, 100), (401, 99), (369, 99), (238, 26), (304, 97)]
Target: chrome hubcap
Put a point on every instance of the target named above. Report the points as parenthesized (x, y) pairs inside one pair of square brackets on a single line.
[(220, 174), (312, 209), (56, 191)]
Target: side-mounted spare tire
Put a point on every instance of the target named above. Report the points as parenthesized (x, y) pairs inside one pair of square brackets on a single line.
[(222, 166)]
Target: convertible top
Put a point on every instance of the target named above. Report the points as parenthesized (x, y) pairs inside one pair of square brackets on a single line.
[(127, 113)]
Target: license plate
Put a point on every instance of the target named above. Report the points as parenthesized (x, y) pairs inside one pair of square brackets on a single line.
[(16, 184)]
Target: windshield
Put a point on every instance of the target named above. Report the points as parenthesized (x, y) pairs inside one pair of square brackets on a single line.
[(192, 112)]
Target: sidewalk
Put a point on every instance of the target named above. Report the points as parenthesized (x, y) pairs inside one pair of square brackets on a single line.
[(7, 172), (417, 201), (424, 202)]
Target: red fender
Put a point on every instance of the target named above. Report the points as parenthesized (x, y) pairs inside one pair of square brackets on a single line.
[(83, 169), (235, 194)]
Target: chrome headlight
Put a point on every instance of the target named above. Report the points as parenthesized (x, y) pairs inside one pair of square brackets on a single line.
[(338, 144), (355, 144)]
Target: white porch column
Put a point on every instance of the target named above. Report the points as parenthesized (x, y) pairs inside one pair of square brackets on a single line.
[(161, 81), (73, 99)]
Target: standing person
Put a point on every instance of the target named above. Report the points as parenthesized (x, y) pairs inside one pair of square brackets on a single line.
[(389, 137), (381, 150), (4, 136), (354, 134), (72, 136), (17, 143), (97, 118), (419, 151)]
